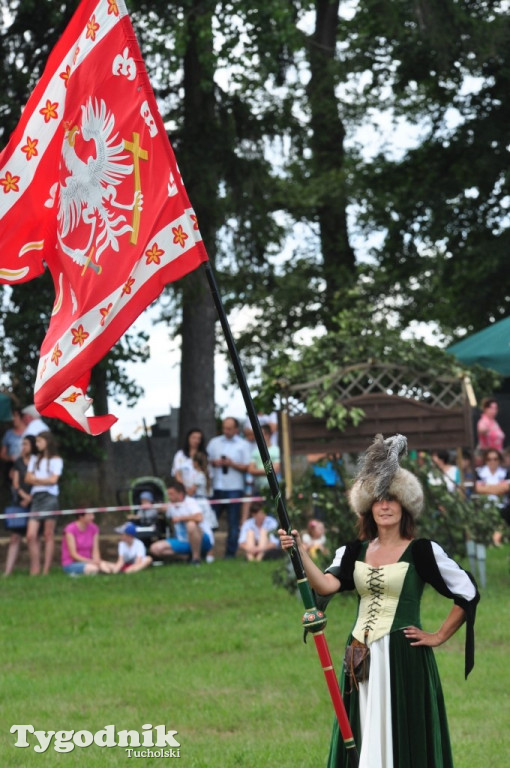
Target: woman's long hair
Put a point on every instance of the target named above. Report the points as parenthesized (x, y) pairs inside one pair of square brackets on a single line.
[(51, 449), (201, 446), (200, 462), (31, 440), (367, 528)]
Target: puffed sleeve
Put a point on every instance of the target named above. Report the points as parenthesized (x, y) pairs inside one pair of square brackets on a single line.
[(450, 580), (343, 565)]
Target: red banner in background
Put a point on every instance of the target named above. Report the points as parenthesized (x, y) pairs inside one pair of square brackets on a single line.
[(89, 186)]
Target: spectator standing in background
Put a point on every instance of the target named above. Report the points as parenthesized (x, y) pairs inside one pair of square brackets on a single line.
[(21, 497), (493, 480), (43, 474), (249, 480), (468, 474), (325, 468), (228, 457), (11, 441), (182, 464), (34, 425), (449, 473), (256, 467), (490, 434), (272, 420)]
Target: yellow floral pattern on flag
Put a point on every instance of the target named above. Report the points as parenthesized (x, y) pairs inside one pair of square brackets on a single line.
[(49, 112), (92, 28), (10, 182), (180, 235), (30, 148), (154, 255), (56, 354), (79, 335)]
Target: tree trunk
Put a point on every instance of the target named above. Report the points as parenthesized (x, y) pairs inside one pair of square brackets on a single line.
[(199, 157), (197, 358), (328, 156)]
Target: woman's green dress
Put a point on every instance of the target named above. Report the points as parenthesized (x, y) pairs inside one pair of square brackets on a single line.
[(398, 716)]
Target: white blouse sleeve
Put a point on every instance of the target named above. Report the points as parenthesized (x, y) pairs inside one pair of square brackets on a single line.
[(337, 560), (454, 577)]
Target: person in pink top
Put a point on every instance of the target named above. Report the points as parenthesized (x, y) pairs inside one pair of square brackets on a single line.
[(490, 434), (80, 547)]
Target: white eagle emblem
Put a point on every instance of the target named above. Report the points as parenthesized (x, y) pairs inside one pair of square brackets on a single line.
[(88, 196)]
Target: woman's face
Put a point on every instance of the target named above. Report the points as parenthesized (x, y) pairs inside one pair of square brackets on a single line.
[(26, 447), (492, 410), (194, 439), (40, 443), (387, 512), (492, 460)]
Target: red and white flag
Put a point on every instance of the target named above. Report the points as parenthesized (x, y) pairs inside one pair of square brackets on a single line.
[(89, 186)]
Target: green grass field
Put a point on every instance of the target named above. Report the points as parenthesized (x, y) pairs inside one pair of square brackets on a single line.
[(216, 654)]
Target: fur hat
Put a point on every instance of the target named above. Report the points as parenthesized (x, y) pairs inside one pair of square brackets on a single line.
[(380, 476)]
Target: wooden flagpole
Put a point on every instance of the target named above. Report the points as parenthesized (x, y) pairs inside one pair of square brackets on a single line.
[(314, 620)]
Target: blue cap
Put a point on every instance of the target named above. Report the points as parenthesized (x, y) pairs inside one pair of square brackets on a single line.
[(129, 529)]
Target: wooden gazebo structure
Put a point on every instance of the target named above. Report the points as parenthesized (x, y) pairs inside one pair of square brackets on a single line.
[(432, 411)]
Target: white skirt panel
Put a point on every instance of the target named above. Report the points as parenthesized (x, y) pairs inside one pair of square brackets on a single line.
[(375, 709)]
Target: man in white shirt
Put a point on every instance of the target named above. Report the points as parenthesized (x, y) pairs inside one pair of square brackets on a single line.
[(33, 424), (229, 458), (193, 535)]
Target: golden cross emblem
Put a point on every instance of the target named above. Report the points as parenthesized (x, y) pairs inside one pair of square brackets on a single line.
[(138, 154)]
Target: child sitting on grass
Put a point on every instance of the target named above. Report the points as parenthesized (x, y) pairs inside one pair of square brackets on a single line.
[(257, 533), (133, 556)]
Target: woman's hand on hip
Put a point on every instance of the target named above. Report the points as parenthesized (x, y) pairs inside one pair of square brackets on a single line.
[(420, 637)]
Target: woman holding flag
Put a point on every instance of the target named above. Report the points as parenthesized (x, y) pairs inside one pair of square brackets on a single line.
[(389, 682)]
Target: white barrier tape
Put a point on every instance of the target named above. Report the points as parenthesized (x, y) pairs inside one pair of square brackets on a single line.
[(234, 501), (135, 508)]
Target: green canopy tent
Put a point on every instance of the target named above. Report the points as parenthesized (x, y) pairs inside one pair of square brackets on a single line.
[(489, 348), (5, 407)]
